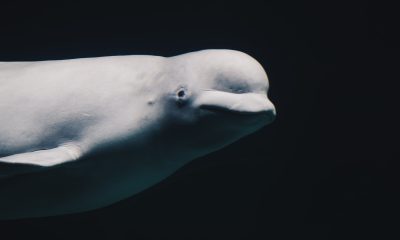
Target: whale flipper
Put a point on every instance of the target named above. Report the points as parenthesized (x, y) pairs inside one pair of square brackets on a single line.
[(38, 160)]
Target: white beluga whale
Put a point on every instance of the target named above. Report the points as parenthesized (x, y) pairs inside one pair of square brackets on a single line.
[(81, 134)]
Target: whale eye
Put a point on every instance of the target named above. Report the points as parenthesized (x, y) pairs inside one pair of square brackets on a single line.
[(181, 93), (181, 96)]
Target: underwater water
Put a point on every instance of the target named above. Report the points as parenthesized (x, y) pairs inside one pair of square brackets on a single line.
[(308, 174)]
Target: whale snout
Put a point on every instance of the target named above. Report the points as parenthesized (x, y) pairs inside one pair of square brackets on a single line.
[(250, 104)]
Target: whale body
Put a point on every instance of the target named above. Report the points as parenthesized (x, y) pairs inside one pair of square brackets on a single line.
[(81, 134)]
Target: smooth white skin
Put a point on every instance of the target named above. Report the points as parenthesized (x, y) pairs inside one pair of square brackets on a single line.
[(84, 133)]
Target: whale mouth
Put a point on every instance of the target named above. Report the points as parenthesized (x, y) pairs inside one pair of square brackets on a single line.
[(222, 110), (236, 103)]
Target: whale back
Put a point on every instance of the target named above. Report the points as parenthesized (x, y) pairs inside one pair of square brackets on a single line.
[(45, 103)]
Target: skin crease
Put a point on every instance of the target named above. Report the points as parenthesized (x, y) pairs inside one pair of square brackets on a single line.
[(114, 126)]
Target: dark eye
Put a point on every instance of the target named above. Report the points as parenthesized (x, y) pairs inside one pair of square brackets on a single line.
[(181, 96), (181, 93)]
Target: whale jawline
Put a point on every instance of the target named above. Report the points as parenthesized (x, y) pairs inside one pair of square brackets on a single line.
[(235, 103)]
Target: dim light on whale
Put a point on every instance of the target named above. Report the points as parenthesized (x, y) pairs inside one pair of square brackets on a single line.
[(80, 134)]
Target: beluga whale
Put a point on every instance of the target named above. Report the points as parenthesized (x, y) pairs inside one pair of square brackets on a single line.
[(81, 134)]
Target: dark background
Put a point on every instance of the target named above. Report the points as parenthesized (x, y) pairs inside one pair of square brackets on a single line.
[(324, 169)]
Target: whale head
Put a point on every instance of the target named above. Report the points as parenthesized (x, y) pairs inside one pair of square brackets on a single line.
[(215, 97)]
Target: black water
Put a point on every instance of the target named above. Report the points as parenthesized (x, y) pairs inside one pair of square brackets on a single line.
[(323, 170)]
